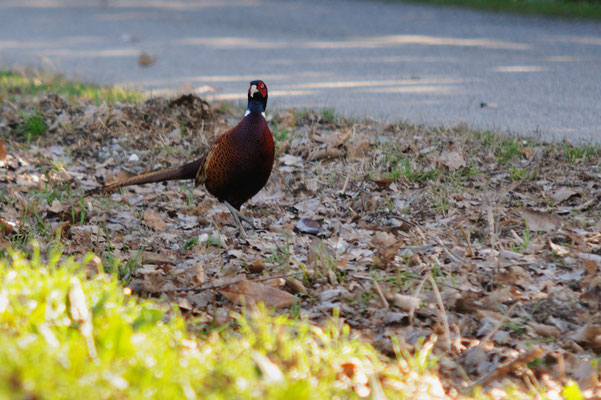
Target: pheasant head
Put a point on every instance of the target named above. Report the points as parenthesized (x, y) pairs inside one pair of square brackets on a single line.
[(257, 96)]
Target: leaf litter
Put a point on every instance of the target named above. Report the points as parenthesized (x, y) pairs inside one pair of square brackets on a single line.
[(489, 248)]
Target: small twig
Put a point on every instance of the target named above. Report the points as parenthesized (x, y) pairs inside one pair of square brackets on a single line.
[(497, 326), (408, 222), (382, 297), (467, 240), (449, 253), (348, 177), (516, 237), (530, 380), (202, 289), (457, 345), (102, 122), (443, 312), (490, 218), (509, 367), (561, 368), (518, 264), (419, 249), (416, 276), (463, 374), (416, 295)]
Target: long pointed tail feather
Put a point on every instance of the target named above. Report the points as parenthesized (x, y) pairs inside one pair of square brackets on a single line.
[(186, 171)]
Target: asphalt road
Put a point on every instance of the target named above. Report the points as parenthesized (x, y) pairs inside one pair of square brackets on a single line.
[(394, 61)]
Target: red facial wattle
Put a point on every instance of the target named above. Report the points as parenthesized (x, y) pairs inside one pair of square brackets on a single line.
[(262, 88)]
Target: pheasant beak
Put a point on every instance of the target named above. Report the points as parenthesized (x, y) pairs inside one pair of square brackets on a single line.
[(253, 90)]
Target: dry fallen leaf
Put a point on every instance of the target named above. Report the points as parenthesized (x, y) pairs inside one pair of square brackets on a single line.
[(56, 207), (541, 221), (528, 152), (582, 370), (386, 245), (254, 292), (257, 266), (307, 225), (291, 161), (383, 183), (545, 330), (452, 160), (333, 138), (560, 250), (296, 285), (156, 258), (325, 154), (562, 194), (589, 336), (7, 227), (153, 220), (404, 302)]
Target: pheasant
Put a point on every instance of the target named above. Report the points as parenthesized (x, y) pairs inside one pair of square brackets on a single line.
[(235, 167)]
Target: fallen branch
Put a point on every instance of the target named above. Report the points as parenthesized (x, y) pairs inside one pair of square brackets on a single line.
[(224, 285), (509, 367)]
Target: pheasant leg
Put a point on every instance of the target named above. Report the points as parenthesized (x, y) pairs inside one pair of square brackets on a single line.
[(238, 217)]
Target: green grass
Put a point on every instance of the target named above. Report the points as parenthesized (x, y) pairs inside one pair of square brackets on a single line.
[(517, 174), (14, 85), (590, 9), (526, 237), (328, 115), (573, 153), (505, 148), (66, 336), (32, 221), (281, 134), (32, 127), (398, 167)]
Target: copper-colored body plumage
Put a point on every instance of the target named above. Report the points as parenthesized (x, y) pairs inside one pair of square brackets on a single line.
[(235, 167), (240, 162)]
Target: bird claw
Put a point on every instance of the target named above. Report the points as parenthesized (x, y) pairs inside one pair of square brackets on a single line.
[(248, 220)]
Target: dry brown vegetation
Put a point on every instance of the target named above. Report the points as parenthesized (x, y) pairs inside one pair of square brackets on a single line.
[(487, 247)]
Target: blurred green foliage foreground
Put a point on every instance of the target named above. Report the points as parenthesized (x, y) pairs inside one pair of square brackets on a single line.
[(70, 331)]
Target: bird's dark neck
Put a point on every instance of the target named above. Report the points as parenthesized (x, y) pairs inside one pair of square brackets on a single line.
[(255, 107)]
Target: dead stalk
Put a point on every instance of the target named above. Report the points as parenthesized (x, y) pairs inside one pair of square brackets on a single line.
[(449, 252), (466, 235), (490, 218), (416, 295), (382, 297), (443, 312), (346, 181), (497, 326)]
